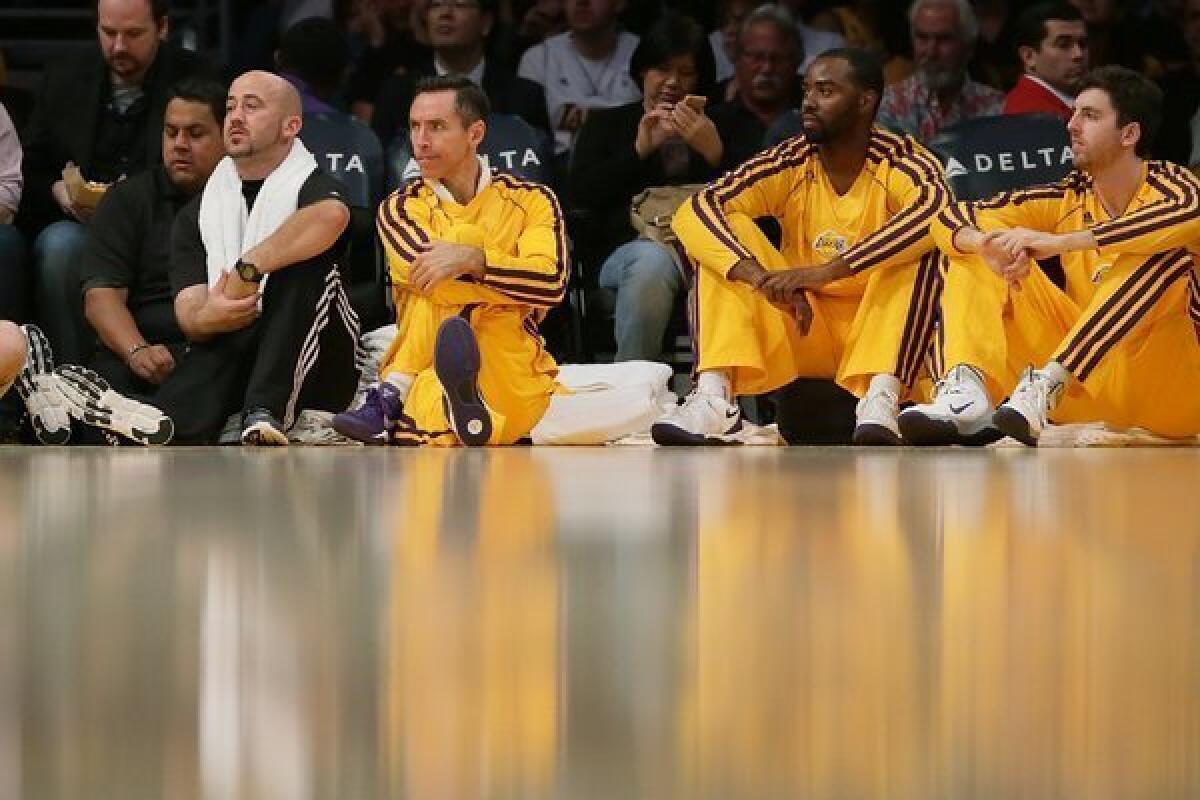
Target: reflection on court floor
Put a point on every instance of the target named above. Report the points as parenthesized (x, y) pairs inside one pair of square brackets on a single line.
[(599, 623)]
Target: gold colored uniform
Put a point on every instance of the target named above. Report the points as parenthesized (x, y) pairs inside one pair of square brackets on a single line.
[(1123, 323), (880, 320), (520, 227)]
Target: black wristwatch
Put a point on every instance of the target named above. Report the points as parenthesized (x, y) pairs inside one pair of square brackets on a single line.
[(247, 271)]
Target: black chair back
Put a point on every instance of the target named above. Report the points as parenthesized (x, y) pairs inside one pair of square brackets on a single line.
[(350, 151)]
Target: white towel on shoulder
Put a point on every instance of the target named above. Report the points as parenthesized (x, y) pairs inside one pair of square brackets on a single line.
[(227, 229)]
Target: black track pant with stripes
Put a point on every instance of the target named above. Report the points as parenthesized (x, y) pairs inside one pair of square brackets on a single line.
[(877, 323), (1131, 346), (302, 353)]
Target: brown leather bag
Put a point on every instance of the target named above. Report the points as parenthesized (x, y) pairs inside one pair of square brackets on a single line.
[(651, 210)]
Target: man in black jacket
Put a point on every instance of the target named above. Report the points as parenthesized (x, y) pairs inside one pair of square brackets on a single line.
[(103, 112), (458, 30)]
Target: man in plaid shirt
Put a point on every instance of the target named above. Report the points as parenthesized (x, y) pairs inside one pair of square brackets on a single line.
[(939, 93)]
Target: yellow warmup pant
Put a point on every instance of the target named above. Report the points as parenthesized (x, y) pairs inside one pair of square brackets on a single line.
[(887, 329), (516, 377), (1132, 348)]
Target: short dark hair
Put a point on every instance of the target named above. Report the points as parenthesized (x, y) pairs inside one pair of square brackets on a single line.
[(866, 68), (201, 90), (158, 8), (469, 100), (1135, 97), (675, 35), (1030, 28), (316, 52)]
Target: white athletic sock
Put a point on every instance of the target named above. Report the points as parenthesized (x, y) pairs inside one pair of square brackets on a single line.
[(972, 373), (715, 383), (1054, 372), (403, 383), (886, 383)]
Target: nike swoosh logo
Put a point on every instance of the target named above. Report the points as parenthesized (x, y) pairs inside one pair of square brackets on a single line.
[(732, 413), (959, 409)]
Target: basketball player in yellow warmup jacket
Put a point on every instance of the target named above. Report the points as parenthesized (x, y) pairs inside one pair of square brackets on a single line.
[(476, 258), (1115, 338), (852, 292)]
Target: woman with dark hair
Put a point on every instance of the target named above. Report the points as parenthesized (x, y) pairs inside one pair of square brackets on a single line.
[(660, 141)]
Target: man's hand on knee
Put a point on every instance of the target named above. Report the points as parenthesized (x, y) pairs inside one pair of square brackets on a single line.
[(786, 282), (802, 311), (443, 261), (748, 271), (1002, 253), (223, 312)]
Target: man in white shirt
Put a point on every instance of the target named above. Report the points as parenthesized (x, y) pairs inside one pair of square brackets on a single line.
[(586, 67)]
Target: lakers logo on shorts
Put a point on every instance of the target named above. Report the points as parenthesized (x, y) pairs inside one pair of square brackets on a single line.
[(830, 244)]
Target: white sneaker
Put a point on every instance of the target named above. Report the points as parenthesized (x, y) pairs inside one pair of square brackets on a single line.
[(959, 414), (93, 402), (1024, 415), (875, 418), (701, 419), (40, 391)]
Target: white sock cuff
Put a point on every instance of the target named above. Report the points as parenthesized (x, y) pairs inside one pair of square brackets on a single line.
[(1056, 373), (716, 383), (402, 381), (884, 382)]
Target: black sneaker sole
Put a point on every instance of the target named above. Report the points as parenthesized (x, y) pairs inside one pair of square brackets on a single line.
[(457, 362), (1012, 423), (673, 436), (921, 431), (869, 434)]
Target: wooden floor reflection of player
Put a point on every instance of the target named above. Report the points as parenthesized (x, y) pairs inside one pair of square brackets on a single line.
[(471, 686)]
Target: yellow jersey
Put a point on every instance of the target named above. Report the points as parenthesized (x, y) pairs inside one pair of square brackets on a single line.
[(882, 220), (518, 224), (1163, 216)]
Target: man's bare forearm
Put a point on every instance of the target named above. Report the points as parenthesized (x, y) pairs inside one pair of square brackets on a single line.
[(108, 312), (306, 234)]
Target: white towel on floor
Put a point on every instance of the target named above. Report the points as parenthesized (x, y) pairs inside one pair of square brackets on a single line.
[(608, 402), (226, 227)]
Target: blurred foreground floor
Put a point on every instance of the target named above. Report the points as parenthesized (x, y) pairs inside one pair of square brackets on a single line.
[(614, 624)]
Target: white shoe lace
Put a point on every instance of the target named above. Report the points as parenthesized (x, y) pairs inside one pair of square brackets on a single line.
[(879, 407), (1035, 397), (703, 413)]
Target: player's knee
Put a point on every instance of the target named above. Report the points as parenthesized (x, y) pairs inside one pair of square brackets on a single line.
[(12, 349)]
